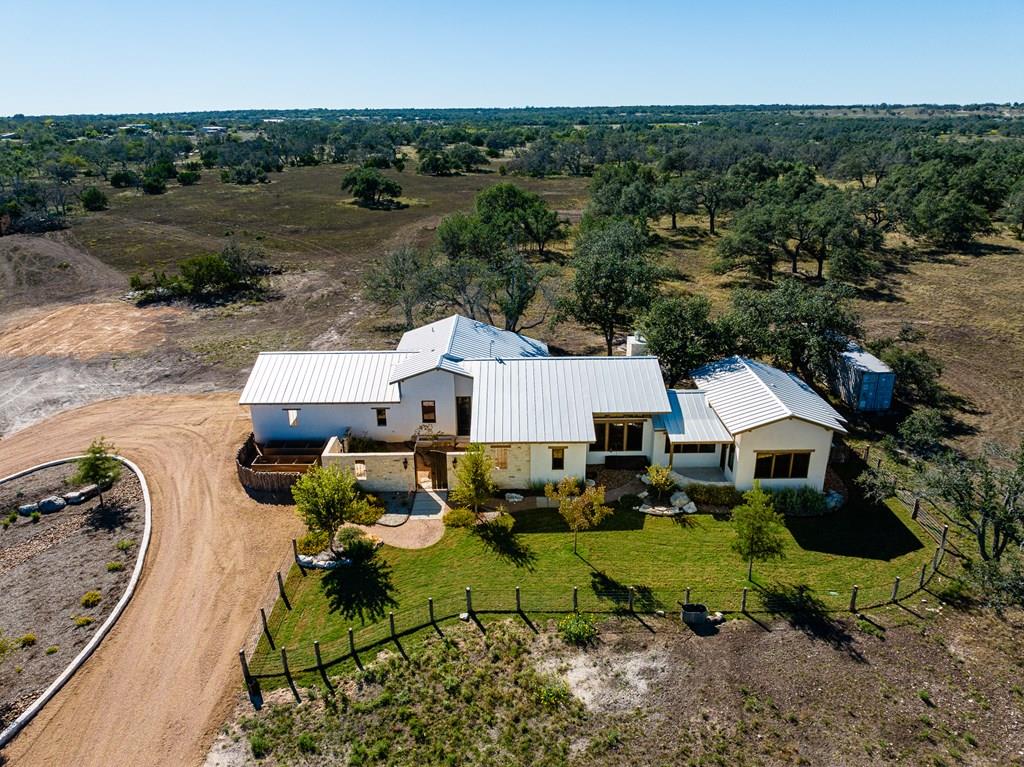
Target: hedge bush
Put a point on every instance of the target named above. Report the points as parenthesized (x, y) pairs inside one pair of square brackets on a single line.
[(799, 502), (714, 495), (459, 518)]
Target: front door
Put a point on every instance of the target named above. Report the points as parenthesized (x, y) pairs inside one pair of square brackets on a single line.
[(463, 415)]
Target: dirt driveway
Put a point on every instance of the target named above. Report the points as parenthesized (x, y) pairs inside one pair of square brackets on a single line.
[(162, 682)]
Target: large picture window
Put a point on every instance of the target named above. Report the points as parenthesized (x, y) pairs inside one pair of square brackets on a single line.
[(782, 465), (618, 436)]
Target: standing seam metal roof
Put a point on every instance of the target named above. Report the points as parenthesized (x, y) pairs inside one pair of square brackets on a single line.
[(691, 419), (297, 378), (746, 394), (464, 338)]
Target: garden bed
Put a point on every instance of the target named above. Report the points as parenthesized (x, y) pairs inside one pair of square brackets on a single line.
[(48, 565)]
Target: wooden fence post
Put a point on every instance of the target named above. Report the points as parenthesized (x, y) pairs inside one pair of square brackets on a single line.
[(320, 665), (917, 508), (895, 589), (942, 544), (469, 600), (867, 453), (853, 599), (575, 599), (288, 675), (391, 621), (878, 464), (295, 554), (352, 649), (430, 609), (924, 570), (280, 588), (519, 603), (266, 629), (743, 601), (631, 593), (687, 600), (245, 669)]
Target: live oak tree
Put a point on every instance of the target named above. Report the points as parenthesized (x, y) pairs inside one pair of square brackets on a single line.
[(474, 485), (370, 187), (518, 216), (674, 196), (712, 192), (760, 530), (400, 279), (327, 497), (581, 510), (680, 332), (98, 466), (614, 278)]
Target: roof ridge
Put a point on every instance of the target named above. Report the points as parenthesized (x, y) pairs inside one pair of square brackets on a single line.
[(335, 351), (564, 357)]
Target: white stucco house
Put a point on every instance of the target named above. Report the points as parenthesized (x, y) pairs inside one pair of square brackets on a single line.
[(457, 381)]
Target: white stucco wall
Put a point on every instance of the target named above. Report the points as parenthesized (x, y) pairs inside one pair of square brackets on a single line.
[(540, 462), (320, 422), (790, 434)]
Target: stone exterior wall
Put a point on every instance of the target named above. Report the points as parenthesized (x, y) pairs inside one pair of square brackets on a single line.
[(515, 477), (385, 472)]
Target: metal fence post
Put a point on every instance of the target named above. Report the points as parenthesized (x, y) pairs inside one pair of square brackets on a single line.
[(853, 599), (320, 665), (575, 599), (280, 588), (430, 608), (352, 649), (469, 600), (743, 601), (266, 629), (895, 589), (288, 675), (295, 554)]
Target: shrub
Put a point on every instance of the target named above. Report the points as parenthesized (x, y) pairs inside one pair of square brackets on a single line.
[(307, 743), (52, 649), (125, 544), (93, 199), (188, 177), (350, 538), (799, 502), (661, 482), (577, 629), (81, 621), (504, 521), (123, 179), (260, 745), (115, 567), (91, 599), (312, 543), (554, 695), (27, 640), (459, 517), (922, 430), (36, 516), (154, 185), (714, 495)]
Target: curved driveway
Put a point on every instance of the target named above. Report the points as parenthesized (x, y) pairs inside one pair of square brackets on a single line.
[(160, 685)]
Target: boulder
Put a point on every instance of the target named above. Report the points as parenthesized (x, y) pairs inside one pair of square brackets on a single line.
[(51, 504), (642, 494), (643, 508), (679, 499), (690, 508), (591, 483), (833, 500), (28, 509), (89, 491), (644, 478), (513, 497), (73, 498)]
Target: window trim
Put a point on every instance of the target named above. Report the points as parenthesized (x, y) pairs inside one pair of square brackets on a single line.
[(607, 422), (695, 448), (560, 451), (423, 411), (774, 455), (292, 414), (382, 415), (359, 469)]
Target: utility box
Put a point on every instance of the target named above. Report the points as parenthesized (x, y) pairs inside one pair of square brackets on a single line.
[(864, 381)]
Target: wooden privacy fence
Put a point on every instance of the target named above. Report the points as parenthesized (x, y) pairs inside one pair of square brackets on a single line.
[(280, 663), (277, 483)]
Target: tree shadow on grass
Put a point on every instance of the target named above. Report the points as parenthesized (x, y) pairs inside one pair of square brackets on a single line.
[(505, 544), (803, 610), (361, 589), (607, 588), (550, 521), (112, 515)]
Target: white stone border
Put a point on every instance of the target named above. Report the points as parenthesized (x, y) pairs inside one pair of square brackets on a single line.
[(26, 716)]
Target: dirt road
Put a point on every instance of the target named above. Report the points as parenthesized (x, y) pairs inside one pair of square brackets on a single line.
[(161, 683)]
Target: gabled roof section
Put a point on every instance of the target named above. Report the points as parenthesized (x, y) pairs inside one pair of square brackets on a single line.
[(308, 378), (554, 399), (425, 362), (462, 338), (746, 394), (691, 418)]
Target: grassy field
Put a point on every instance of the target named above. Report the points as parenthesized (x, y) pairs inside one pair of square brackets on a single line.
[(864, 545)]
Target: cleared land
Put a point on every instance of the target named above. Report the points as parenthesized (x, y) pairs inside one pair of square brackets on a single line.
[(159, 685)]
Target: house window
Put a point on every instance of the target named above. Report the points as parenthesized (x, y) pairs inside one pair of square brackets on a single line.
[(557, 459), (689, 447), (359, 467), (789, 465), (382, 416), (429, 411), (500, 455), (293, 417), (617, 436)]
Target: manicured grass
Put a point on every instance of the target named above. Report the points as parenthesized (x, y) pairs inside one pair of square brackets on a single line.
[(660, 558)]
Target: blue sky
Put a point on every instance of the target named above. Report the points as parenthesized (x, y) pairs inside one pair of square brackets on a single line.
[(67, 57)]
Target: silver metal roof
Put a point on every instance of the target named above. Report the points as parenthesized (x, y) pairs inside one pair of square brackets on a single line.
[(746, 394), (424, 362), (464, 338), (858, 357), (308, 378), (691, 419), (554, 399)]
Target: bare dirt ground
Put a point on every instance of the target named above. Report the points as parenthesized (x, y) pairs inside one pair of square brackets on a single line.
[(162, 681), (48, 565)]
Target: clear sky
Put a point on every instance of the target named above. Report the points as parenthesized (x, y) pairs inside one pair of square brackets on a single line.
[(148, 55)]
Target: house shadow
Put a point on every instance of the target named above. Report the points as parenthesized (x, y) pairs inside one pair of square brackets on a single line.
[(798, 605), (506, 544), (362, 589)]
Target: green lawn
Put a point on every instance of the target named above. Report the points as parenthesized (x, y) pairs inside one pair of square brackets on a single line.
[(660, 558)]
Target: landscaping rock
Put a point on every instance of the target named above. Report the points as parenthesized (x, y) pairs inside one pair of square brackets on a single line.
[(679, 499), (322, 561), (89, 491), (27, 509), (643, 508), (591, 483), (690, 508), (644, 478), (74, 498), (51, 504), (513, 497), (833, 500)]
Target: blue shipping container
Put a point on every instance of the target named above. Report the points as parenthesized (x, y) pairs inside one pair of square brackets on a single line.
[(864, 381)]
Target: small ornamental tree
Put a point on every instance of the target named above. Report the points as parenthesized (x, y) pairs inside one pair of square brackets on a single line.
[(473, 483), (98, 466), (580, 510), (326, 497), (759, 529)]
